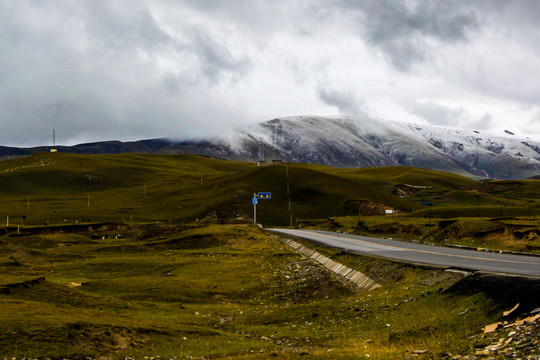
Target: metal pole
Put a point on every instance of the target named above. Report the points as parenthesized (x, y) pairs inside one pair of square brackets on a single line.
[(254, 209)]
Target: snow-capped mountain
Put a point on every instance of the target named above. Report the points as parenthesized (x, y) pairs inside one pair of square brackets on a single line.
[(347, 142), (344, 142)]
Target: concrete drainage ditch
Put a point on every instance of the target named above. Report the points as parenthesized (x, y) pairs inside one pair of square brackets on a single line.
[(359, 279)]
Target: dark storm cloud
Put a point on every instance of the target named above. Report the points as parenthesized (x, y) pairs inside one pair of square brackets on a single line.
[(63, 71), (438, 114), (345, 102), (215, 60), (92, 69), (445, 116), (119, 69), (120, 27), (402, 33)]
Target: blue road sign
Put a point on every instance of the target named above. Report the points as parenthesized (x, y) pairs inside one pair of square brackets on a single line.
[(254, 201), (264, 195)]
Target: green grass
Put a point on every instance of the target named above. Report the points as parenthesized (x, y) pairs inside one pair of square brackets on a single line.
[(178, 284), (57, 188), (218, 290), (64, 188)]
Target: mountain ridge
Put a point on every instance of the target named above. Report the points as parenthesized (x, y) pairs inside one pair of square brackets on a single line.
[(346, 142)]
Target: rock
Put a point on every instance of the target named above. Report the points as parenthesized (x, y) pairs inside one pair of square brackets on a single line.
[(491, 327)]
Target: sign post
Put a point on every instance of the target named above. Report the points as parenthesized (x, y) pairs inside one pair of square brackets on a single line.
[(256, 197), (254, 202)]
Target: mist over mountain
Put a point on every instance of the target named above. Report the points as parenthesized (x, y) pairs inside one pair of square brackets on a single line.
[(346, 142)]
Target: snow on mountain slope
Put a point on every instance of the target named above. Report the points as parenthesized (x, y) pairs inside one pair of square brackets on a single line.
[(345, 142), (349, 142), (480, 153), (461, 141), (322, 140)]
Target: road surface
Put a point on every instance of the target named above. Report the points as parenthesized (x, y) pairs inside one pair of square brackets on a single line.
[(423, 254)]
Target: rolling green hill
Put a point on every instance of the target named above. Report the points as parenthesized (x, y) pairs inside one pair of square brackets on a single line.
[(204, 289), (53, 188)]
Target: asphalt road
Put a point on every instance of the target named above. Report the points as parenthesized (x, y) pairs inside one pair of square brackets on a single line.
[(423, 254)]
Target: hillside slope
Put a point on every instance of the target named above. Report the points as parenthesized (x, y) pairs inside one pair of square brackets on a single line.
[(52, 188)]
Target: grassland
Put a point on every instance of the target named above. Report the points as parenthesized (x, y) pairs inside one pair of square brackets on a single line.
[(218, 290), (143, 255), (56, 188)]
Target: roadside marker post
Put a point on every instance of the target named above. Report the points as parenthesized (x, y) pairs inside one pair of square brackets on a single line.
[(254, 202)]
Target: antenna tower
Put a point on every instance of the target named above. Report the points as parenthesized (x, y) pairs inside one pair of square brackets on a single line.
[(261, 150), (54, 137), (277, 130)]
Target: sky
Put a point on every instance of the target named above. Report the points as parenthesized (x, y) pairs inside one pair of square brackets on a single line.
[(99, 70)]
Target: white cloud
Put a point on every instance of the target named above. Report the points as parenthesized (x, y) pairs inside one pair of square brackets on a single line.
[(99, 70)]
